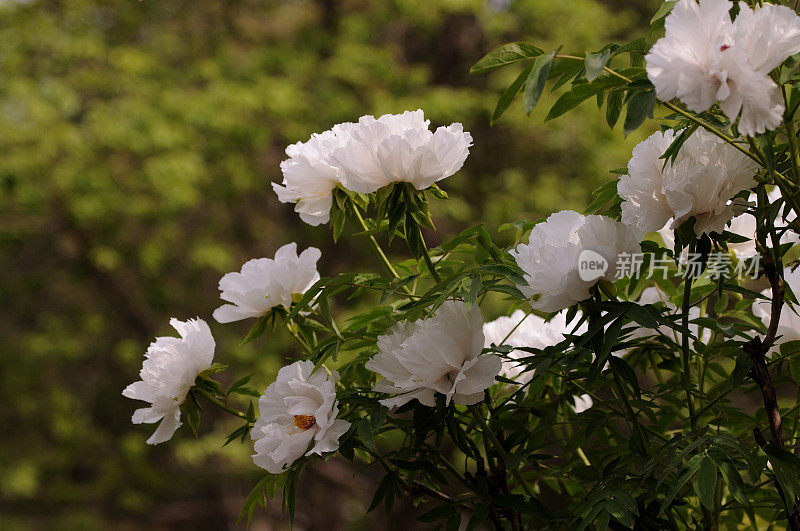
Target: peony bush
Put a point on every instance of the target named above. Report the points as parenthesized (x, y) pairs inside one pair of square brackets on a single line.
[(645, 370)]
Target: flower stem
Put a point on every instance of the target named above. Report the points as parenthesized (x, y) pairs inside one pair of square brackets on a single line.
[(375, 245), (792, 138), (487, 432), (290, 326), (607, 69), (629, 410), (583, 457), (685, 352), (427, 258), (220, 404)]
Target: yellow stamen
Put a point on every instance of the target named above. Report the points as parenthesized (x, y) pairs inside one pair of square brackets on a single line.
[(304, 422)]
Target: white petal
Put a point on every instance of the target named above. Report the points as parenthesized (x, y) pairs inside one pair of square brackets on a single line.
[(167, 428)]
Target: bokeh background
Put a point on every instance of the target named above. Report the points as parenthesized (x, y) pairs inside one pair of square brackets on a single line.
[(137, 144)]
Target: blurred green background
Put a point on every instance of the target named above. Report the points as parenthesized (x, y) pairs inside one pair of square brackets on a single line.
[(137, 143)]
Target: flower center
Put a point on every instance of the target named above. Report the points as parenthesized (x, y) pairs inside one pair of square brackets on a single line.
[(724, 47), (304, 422)]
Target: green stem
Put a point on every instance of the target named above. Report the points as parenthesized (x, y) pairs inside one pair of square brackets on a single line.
[(790, 135), (376, 247), (290, 327), (717, 399), (629, 410), (711, 129), (220, 404), (607, 69), (685, 352), (427, 258), (487, 432), (583, 457)]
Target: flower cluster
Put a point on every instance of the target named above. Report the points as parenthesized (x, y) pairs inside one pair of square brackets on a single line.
[(705, 57), (431, 352), (300, 407), (366, 156)]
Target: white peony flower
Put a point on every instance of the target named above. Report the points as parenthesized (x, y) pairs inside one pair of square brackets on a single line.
[(705, 57), (400, 148), (526, 330), (309, 175), (171, 367), (701, 182), (789, 321), (297, 417), (551, 257), (582, 403), (440, 354), (265, 283), (743, 225), (366, 156)]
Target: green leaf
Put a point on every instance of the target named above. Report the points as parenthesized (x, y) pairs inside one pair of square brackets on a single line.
[(764, 142), (613, 107), (384, 486), (479, 514), (685, 475), (602, 197), (663, 11), (640, 107), (789, 68), (730, 474), (241, 382), (579, 94), (437, 513), (259, 328), (213, 369), (255, 498), (365, 433), (505, 55), (337, 223), (626, 373), (786, 467), (705, 482), (509, 95), (594, 63), (536, 81)]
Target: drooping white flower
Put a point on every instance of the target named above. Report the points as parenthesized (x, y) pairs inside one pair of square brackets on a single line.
[(400, 148), (297, 417), (309, 174), (701, 182), (705, 57), (171, 367), (582, 403), (440, 354), (265, 283), (552, 257), (789, 321), (526, 330)]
